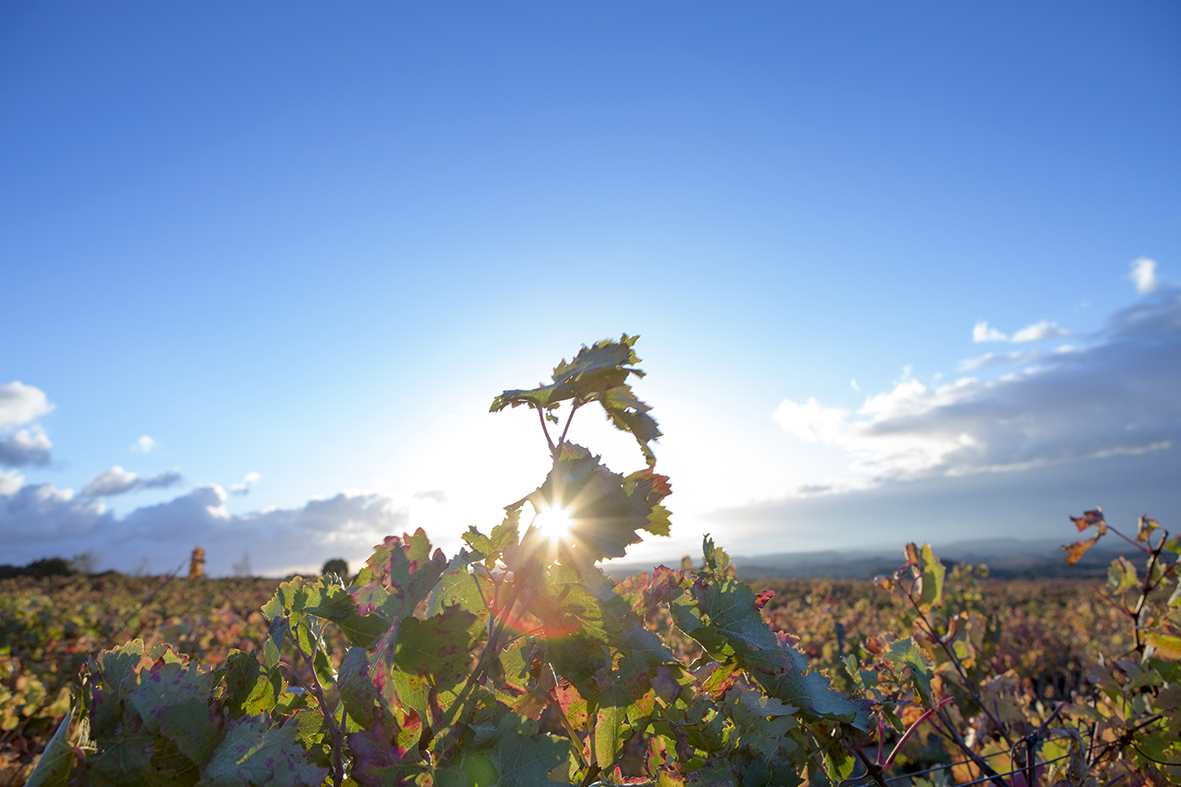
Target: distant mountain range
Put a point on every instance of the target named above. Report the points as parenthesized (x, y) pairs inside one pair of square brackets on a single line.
[(1005, 557)]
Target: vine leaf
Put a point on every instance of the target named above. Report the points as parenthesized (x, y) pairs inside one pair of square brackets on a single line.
[(597, 374), (606, 509), (173, 701), (1075, 551), (251, 753), (53, 769), (250, 687)]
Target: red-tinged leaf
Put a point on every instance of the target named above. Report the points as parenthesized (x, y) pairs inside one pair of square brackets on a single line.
[(401, 572), (1075, 551), (1091, 518), (360, 696), (912, 554), (762, 599), (572, 704), (381, 759)]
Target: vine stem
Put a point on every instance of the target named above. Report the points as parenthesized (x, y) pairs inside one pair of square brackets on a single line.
[(1148, 588), (545, 430), (958, 668), (338, 770), (574, 405), (911, 730), (872, 768)]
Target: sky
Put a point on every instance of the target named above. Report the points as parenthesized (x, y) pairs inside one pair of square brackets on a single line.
[(899, 271)]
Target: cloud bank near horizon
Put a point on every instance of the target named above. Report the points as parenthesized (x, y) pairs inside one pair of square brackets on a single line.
[(278, 541), (1115, 397), (1059, 430)]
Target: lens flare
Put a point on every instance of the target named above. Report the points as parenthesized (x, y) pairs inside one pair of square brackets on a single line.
[(553, 523)]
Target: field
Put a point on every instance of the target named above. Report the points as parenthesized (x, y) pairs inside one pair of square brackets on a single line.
[(1046, 633)]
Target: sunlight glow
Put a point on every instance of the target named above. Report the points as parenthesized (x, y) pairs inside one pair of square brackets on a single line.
[(554, 523)]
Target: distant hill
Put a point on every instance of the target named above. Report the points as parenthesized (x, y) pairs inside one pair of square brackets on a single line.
[(1005, 557)]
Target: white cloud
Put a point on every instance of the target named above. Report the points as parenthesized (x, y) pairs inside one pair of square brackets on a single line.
[(25, 447), (23, 442), (1115, 398), (983, 332), (10, 482), (1039, 331), (144, 445), (117, 481), (1143, 275), (436, 495), (248, 481), (855, 386), (20, 404)]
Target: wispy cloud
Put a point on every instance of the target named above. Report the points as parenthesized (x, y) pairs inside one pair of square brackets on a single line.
[(1038, 331), (118, 481)]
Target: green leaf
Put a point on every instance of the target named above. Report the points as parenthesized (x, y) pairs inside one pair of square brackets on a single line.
[(440, 647), (611, 731), (1121, 575), (53, 769), (732, 628), (458, 587), (597, 374), (605, 508), (838, 762), (932, 577), (905, 652), (173, 701), (325, 598), (251, 753), (250, 687), (1168, 646), (525, 761), (115, 666)]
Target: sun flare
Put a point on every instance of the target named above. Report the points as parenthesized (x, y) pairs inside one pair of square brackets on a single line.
[(554, 523)]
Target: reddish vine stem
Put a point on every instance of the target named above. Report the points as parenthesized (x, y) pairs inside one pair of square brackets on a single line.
[(318, 690), (958, 668)]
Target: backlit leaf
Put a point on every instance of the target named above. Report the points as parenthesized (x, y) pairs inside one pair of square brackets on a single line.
[(253, 752)]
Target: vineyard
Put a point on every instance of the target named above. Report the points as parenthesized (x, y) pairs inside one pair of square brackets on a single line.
[(517, 661)]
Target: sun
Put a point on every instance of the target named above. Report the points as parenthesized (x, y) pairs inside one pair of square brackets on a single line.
[(553, 523)]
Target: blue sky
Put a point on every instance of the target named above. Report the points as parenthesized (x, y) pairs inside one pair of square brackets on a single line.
[(311, 242)]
